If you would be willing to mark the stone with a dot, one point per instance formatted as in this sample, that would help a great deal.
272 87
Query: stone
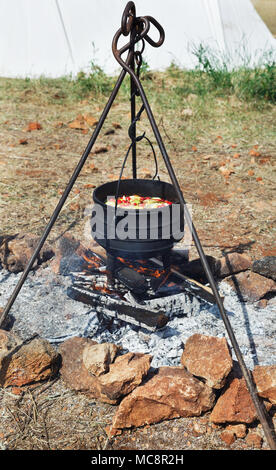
234 405
199 429
67 255
67 245
251 286
208 357
97 357
73 371
15 252
266 267
33 362
262 303
253 439
239 430
233 263
171 393
8 343
228 437
126 373
265 380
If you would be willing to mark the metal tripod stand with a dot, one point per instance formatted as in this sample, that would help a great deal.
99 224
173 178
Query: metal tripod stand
137 28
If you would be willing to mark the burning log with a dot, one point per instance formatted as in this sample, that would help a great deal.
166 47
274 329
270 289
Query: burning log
140 292
192 286
120 309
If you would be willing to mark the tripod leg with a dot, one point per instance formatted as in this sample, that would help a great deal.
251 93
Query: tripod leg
133 114
63 198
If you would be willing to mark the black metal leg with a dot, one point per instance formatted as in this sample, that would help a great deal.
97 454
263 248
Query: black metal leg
133 115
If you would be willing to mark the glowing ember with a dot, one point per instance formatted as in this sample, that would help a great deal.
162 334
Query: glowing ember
152 272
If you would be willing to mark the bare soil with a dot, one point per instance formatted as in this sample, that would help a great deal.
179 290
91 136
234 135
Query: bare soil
52 417
223 155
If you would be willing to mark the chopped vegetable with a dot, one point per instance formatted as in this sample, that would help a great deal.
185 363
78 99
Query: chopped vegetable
138 202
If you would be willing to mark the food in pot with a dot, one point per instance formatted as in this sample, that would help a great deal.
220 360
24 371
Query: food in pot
138 202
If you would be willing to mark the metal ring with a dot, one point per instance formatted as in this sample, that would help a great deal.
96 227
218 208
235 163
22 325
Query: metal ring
118 52
128 17
161 33
143 47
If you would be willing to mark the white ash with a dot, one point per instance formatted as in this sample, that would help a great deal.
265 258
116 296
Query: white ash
43 307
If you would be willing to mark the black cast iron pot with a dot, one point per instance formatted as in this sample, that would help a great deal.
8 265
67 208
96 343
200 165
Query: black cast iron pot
136 233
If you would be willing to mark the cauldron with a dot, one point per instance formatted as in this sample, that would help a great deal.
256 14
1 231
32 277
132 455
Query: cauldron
146 233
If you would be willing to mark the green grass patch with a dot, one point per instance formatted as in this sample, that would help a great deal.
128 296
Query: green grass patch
211 78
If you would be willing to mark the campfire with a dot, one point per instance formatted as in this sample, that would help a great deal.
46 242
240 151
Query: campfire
140 292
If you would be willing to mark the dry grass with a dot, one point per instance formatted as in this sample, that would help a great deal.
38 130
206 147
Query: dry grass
223 151
52 417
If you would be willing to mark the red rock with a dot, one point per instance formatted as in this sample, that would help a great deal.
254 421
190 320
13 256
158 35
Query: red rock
233 263
32 362
251 286
234 405
228 437
262 303
67 246
8 343
265 379
15 252
55 264
73 371
238 429
17 390
208 357
172 393
98 357
126 373
253 439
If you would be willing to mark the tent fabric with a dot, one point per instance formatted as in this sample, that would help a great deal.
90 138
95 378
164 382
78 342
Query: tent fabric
60 37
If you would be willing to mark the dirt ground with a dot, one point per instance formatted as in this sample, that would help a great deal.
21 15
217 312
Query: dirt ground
52 417
223 153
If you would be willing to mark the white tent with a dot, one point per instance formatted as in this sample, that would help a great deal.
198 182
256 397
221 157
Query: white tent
59 37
